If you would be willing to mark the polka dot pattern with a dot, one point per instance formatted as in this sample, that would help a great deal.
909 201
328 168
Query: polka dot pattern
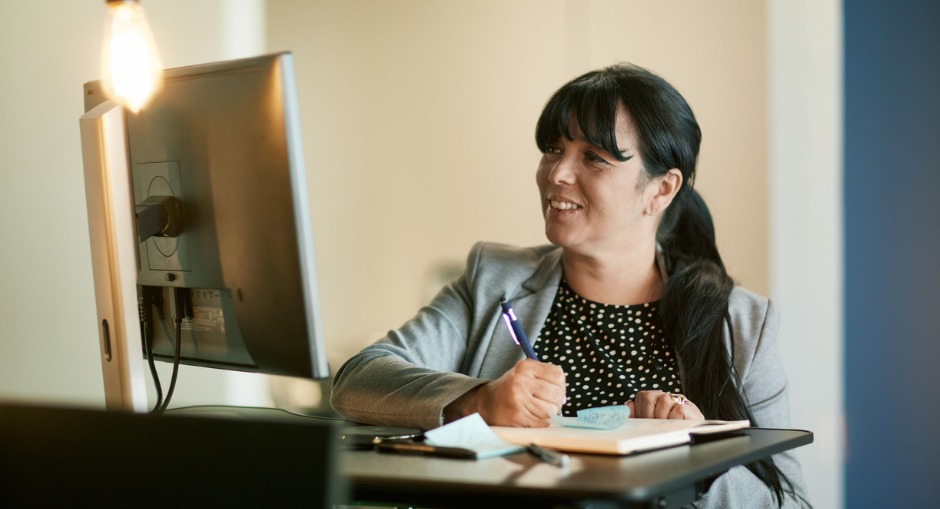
608 352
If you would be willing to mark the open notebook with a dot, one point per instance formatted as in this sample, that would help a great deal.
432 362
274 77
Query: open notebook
636 435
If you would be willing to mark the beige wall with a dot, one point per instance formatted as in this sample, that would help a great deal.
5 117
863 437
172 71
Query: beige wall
46 298
419 116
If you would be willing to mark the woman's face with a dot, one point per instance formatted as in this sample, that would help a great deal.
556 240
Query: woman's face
591 201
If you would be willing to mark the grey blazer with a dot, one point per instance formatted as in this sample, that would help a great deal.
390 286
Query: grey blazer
458 342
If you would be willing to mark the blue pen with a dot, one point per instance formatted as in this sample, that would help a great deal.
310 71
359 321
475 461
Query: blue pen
516 330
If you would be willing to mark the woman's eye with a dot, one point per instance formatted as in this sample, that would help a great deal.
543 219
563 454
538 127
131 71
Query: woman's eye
594 157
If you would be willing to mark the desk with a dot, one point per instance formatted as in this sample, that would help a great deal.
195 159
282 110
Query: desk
665 478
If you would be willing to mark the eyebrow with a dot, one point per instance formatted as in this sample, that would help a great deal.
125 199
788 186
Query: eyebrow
580 136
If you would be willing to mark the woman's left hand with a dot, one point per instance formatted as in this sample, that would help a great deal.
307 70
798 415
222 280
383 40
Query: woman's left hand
663 405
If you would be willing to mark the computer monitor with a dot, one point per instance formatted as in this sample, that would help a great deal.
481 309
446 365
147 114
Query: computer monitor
199 224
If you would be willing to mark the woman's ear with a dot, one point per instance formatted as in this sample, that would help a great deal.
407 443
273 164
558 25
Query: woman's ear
664 189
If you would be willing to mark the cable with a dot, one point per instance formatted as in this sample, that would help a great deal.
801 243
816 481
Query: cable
179 295
176 365
145 302
154 375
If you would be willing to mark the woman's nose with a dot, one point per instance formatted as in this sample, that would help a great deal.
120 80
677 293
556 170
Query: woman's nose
563 171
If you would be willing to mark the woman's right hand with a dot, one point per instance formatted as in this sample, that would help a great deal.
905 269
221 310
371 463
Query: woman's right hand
525 396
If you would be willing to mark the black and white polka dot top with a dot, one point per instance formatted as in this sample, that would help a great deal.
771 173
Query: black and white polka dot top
608 352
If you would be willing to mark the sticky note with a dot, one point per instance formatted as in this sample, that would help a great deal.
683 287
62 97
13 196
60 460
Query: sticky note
605 417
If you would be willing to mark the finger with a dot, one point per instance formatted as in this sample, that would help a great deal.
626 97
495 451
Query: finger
544 381
533 396
645 404
683 408
549 393
686 410
503 401
535 373
539 415
694 411
547 372
664 405
679 411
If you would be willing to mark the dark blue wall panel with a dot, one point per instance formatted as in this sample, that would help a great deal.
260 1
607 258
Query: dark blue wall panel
892 253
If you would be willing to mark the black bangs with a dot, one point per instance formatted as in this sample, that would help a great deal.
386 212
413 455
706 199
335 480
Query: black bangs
589 105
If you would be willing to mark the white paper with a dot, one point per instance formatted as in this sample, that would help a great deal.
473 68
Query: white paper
472 433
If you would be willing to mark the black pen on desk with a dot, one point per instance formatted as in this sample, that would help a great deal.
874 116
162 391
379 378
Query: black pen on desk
425 450
516 331
551 457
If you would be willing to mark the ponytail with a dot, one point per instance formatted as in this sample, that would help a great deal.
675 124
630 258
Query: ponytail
694 310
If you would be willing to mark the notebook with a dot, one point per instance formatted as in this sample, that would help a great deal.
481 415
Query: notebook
636 435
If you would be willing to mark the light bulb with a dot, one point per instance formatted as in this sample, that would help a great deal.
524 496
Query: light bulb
130 65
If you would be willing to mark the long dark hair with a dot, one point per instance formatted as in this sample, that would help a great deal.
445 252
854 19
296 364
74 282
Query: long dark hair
694 305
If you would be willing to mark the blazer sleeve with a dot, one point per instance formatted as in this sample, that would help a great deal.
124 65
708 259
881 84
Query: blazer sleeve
755 321
410 375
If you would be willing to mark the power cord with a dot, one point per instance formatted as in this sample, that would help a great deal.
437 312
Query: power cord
183 310
146 300
149 298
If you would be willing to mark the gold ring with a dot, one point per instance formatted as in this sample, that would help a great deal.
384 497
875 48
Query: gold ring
679 399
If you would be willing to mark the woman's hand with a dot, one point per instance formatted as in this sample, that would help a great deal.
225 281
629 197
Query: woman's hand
525 396
663 405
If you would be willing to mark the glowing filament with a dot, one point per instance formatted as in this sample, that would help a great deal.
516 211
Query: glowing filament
131 68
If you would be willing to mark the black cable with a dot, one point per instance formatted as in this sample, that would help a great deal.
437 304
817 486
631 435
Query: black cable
145 303
153 374
181 309
176 365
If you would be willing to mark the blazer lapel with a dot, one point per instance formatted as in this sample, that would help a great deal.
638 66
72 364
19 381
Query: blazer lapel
532 303
537 295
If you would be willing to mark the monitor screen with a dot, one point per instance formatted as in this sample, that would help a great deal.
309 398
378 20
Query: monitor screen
205 223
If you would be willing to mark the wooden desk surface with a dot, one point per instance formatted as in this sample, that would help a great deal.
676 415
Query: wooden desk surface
664 478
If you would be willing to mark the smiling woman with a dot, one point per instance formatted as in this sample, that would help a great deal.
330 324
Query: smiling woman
631 303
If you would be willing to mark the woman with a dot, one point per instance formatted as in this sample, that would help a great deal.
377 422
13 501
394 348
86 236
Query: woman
630 304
